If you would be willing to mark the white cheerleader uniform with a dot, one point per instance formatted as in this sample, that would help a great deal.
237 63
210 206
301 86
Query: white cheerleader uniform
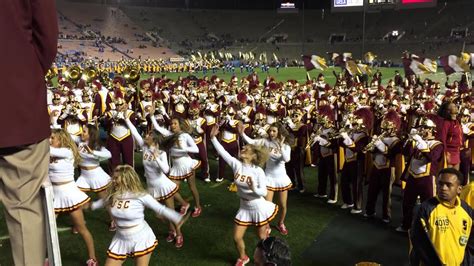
67 196
182 165
93 177
134 237
254 209
156 167
275 169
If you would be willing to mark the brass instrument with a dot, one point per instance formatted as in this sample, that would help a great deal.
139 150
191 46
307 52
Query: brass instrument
313 136
73 73
371 145
49 75
132 74
89 74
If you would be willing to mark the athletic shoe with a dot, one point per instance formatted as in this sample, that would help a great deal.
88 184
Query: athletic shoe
207 180
356 211
346 206
369 215
219 179
400 229
386 220
184 209
196 212
332 201
320 196
92 262
179 241
74 230
241 262
282 229
171 236
301 190
112 226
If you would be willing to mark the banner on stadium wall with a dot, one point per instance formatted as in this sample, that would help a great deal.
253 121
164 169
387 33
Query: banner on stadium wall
177 59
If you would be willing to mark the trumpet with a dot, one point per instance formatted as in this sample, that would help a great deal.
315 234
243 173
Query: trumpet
313 136
338 135
371 145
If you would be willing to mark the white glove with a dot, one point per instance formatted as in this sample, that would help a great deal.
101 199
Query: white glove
120 115
262 132
413 131
417 138
380 145
465 129
345 135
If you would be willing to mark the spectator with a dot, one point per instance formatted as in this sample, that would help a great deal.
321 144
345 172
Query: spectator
272 251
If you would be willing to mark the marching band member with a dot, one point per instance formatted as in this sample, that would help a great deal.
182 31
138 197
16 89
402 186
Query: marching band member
55 109
88 106
199 128
251 185
67 196
278 142
424 153
102 99
299 130
73 119
352 172
327 154
229 137
384 148
468 139
160 187
451 134
180 143
127 200
120 140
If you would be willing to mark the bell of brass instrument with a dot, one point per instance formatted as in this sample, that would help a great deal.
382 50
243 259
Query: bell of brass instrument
73 73
89 74
132 74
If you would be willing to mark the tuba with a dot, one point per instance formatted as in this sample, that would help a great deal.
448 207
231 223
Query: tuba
73 73
132 74
90 74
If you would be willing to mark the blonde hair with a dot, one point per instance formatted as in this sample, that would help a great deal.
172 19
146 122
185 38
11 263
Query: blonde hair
124 180
66 141
261 154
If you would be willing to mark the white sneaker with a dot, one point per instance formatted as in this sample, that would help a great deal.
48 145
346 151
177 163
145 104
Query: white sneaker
346 206
386 220
219 179
356 211
401 229
332 201
207 180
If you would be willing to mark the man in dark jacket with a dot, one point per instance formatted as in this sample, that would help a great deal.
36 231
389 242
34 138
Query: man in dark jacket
29 33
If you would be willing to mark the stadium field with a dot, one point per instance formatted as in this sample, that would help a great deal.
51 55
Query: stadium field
299 74
208 239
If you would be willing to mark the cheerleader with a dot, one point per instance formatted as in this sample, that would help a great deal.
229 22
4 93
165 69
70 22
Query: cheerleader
251 185
93 178
278 180
183 166
127 200
67 196
155 163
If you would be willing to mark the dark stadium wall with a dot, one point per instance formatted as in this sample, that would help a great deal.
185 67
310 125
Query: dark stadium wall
214 4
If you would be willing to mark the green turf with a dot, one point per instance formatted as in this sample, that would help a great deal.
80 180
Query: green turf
208 239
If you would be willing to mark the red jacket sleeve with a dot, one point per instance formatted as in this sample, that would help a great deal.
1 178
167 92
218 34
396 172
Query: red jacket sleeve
44 31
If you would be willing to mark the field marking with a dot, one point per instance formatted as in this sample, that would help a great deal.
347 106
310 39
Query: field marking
60 230
218 184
